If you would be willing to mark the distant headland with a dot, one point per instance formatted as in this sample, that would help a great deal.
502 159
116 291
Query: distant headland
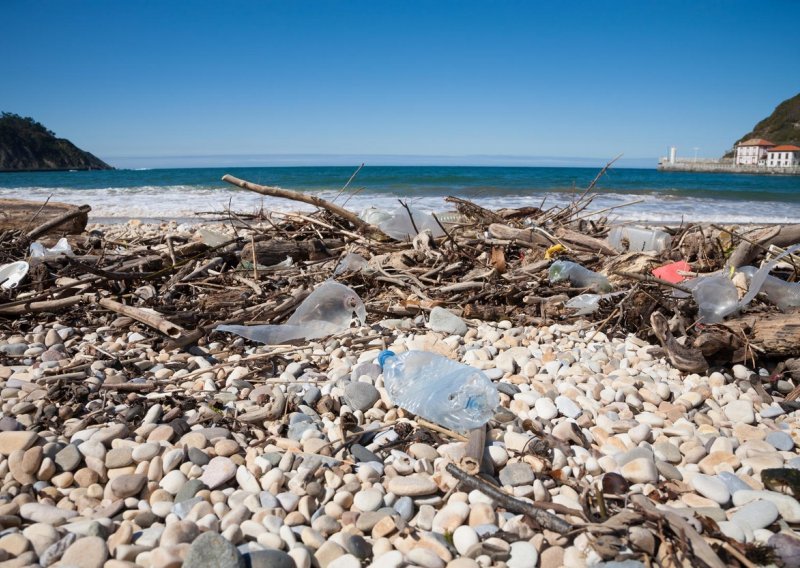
26 145
772 147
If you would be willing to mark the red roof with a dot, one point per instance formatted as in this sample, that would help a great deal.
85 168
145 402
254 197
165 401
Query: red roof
756 142
784 148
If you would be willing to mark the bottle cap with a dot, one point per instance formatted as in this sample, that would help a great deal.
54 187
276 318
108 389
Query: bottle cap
383 355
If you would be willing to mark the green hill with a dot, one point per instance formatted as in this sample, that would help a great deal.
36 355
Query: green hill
26 145
781 127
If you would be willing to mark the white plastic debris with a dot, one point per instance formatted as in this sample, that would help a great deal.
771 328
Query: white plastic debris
328 310
39 252
12 274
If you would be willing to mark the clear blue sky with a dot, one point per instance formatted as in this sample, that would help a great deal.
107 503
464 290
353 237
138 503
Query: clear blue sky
432 78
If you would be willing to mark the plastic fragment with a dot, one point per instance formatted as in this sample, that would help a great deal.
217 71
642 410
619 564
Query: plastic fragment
39 252
554 250
671 272
397 223
716 295
578 276
351 262
12 274
327 310
453 395
588 303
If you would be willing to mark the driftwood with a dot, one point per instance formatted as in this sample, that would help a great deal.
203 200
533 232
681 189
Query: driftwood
536 512
50 218
531 236
147 317
268 253
35 307
340 212
584 242
684 358
776 334
748 250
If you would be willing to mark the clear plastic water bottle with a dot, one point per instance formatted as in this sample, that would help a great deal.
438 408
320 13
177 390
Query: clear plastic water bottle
456 396
578 276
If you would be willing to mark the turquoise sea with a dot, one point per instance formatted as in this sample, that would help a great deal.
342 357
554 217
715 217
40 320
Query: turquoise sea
661 197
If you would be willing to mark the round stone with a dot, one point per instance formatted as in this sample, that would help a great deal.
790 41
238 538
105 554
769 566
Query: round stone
523 555
756 515
780 441
711 487
464 538
211 549
412 485
369 500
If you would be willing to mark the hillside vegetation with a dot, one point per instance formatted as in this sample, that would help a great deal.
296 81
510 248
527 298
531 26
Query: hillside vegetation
781 127
26 145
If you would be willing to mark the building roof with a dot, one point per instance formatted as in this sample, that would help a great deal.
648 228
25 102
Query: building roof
784 148
756 142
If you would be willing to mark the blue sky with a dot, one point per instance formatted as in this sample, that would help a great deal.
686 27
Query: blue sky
141 82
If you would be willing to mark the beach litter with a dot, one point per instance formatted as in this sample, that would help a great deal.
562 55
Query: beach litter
614 428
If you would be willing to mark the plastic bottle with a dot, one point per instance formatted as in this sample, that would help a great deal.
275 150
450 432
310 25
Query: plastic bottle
328 310
716 297
783 294
588 303
578 276
639 239
442 391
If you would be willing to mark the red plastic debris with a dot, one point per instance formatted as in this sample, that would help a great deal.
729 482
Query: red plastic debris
669 272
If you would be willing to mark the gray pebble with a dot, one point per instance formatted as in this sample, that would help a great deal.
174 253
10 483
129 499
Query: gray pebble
361 396
211 550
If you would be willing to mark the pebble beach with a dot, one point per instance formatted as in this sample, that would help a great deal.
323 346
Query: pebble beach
304 462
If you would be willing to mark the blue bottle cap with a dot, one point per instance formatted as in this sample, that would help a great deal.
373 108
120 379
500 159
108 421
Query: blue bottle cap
383 355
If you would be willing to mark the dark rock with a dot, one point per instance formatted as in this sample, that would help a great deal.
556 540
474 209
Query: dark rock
362 454
211 550
361 396
189 490
268 559
69 458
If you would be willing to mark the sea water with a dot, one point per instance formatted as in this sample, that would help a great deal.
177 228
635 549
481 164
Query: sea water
663 197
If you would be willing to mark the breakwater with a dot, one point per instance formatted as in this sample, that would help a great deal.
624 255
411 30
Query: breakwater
723 167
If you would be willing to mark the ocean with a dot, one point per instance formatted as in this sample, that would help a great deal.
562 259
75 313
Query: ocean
644 194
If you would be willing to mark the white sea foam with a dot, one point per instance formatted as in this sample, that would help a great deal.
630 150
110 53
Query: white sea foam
185 201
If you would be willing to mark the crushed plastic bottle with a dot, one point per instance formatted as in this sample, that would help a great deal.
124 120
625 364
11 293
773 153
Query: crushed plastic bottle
351 262
785 295
716 295
40 253
12 274
397 223
329 309
588 303
442 391
578 276
639 239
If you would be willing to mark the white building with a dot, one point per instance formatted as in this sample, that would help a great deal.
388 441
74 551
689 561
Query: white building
784 156
752 152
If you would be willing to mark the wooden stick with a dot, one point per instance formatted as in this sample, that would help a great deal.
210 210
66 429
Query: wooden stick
509 503
340 212
19 309
150 319
60 220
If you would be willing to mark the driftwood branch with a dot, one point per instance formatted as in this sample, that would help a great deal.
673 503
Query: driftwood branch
509 503
146 317
82 211
340 212
21 308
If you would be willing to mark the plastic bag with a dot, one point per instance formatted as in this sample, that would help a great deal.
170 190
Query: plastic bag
39 252
397 222
329 309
